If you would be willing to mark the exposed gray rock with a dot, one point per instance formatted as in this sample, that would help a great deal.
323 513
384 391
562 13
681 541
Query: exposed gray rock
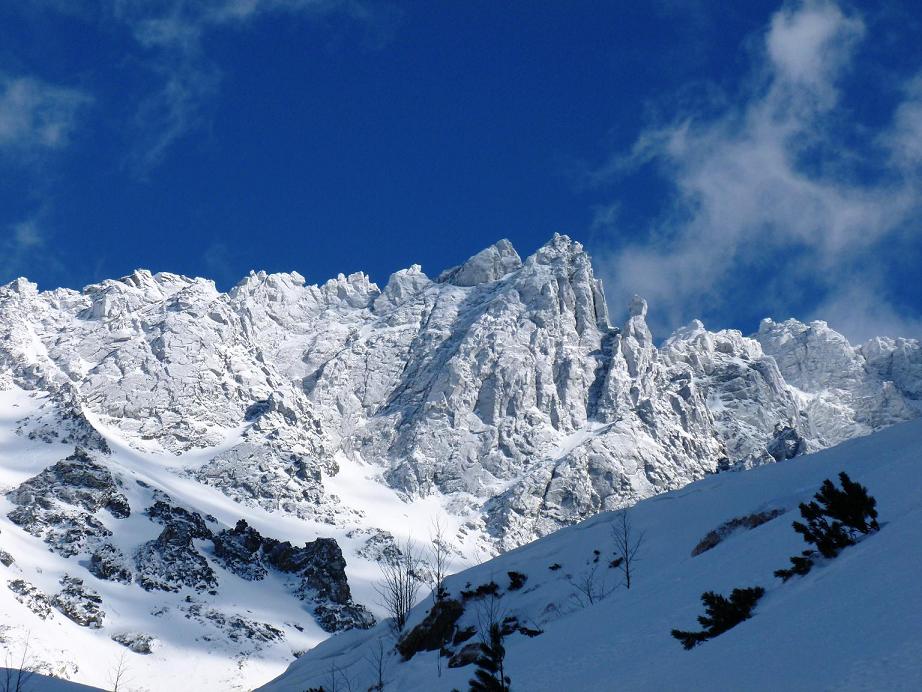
170 562
236 627
137 642
466 655
487 265
504 385
380 545
31 597
787 444
728 528
319 566
76 480
240 551
108 562
60 503
165 513
62 419
268 477
844 395
79 603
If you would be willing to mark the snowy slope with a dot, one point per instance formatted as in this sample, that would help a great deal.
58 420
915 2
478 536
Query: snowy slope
475 386
191 649
499 398
853 623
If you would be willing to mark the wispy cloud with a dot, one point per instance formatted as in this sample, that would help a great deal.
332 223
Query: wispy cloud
774 177
170 35
37 116
22 243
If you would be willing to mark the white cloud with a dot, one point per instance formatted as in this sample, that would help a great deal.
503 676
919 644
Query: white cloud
36 115
770 180
23 240
807 44
857 311
171 35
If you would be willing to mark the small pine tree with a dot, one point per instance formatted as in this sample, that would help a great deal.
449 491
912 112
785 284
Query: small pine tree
490 676
800 565
834 520
722 614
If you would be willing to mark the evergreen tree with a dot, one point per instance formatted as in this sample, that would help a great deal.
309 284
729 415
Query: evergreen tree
722 614
834 519
490 676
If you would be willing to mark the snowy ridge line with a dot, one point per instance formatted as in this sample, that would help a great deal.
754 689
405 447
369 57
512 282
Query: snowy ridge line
821 631
498 399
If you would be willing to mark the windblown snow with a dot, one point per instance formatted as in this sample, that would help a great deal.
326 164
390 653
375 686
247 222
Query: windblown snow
851 624
206 480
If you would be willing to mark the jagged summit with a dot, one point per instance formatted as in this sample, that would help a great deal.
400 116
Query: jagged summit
488 265
499 397
473 384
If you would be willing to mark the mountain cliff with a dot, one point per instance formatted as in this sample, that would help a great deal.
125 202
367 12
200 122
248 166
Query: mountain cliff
498 397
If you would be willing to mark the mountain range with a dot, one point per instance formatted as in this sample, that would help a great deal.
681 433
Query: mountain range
208 480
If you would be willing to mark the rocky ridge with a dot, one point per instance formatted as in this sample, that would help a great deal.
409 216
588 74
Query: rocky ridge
501 384
500 392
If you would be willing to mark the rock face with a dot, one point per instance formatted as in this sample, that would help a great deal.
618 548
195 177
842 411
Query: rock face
503 386
319 567
164 513
501 397
170 562
31 597
80 603
109 563
61 503
138 642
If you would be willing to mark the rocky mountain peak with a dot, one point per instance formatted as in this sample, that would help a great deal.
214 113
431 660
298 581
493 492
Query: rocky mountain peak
496 380
490 264
21 286
499 397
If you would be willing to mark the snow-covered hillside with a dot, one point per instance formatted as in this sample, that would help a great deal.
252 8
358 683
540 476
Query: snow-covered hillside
501 386
187 614
142 419
853 623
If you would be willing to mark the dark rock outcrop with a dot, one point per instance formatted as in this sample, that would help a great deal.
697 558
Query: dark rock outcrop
170 562
59 504
164 513
750 521
31 597
79 603
136 641
239 550
319 566
76 480
434 632
466 655
786 444
108 562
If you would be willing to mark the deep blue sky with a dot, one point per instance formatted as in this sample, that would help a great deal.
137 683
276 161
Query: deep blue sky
211 138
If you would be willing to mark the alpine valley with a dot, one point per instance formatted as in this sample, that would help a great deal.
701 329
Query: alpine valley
203 483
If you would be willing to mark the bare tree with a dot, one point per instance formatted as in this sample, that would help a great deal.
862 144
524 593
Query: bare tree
438 559
18 672
627 545
490 674
591 586
378 661
118 676
437 564
399 585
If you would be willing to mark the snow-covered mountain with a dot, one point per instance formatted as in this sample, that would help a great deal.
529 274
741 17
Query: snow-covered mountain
143 418
851 624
